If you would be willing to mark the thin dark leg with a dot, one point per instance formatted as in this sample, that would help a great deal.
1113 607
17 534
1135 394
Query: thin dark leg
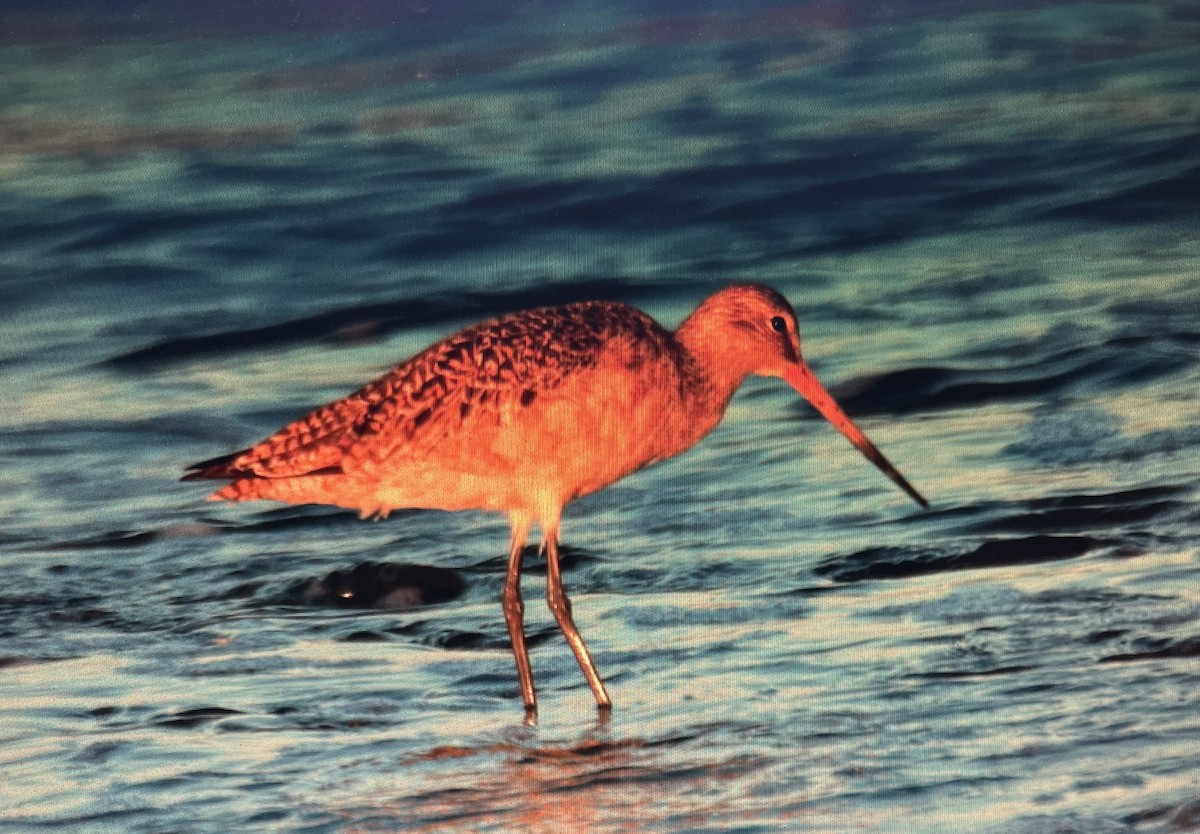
560 607
514 617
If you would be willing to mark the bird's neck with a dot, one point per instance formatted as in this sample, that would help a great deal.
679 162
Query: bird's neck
716 373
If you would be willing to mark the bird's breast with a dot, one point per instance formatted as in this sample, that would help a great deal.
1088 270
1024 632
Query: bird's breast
599 425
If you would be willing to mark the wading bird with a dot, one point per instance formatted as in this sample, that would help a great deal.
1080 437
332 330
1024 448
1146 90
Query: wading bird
524 413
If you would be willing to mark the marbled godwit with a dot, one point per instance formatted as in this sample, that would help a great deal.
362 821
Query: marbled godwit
526 412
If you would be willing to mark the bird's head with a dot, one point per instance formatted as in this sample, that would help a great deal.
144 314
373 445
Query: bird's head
751 329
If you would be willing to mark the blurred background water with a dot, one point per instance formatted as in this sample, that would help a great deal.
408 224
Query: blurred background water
214 216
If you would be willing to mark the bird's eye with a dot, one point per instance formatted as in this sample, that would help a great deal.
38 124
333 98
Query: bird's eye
779 324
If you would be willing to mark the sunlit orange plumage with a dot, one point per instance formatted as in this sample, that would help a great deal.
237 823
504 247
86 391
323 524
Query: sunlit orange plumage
523 414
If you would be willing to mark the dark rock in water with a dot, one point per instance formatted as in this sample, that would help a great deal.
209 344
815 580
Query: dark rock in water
379 585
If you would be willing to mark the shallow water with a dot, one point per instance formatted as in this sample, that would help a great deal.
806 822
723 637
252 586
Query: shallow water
213 220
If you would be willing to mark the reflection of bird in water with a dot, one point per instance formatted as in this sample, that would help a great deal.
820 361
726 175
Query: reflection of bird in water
525 413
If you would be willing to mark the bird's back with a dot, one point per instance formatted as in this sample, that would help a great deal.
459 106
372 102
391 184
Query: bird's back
474 408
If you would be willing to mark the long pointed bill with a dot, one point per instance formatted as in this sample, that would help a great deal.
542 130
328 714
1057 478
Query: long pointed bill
800 377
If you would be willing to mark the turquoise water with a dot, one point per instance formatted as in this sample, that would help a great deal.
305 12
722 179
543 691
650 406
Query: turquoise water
214 219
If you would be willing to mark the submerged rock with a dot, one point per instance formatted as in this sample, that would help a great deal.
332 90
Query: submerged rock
379 585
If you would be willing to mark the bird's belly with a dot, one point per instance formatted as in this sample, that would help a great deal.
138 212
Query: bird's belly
434 488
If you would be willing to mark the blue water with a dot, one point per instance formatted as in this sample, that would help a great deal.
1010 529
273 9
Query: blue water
216 216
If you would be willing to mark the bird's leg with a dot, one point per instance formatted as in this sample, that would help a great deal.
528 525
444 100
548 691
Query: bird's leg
514 616
560 607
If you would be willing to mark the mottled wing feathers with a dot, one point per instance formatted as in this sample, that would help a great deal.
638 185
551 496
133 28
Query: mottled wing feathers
313 443
467 380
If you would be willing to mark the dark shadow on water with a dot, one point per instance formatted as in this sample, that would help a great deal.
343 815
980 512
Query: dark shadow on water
966 674
190 719
1170 198
906 562
1091 512
1157 648
1001 534
1108 365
